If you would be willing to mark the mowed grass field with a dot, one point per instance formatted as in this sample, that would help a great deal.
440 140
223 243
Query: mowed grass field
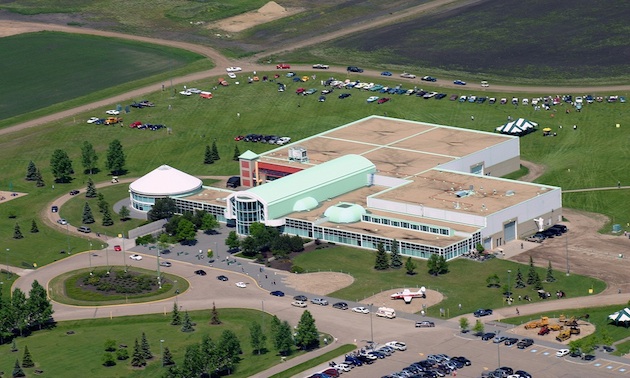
592 156
83 351
46 68
458 286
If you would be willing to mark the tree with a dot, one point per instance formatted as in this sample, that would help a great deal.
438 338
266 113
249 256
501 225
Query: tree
186 232
237 153
17 233
437 265
39 307
307 335
31 171
87 214
137 358
215 151
550 277
187 325
382 260
17 370
20 310
40 180
463 323
214 320
283 339
396 261
34 228
122 354
27 360
232 240
145 347
209 223
90 192
163 208
115 157
107 217
110 345
229 347
101 203
605 338
207 158
193 362
176 318
167 357
61 166
479 247
209 354
88 157
478 327
410 266
531 274
493 280
124 213
258 338
249 246
519 279
538 282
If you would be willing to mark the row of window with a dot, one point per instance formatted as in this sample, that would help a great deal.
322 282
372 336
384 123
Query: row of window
407 225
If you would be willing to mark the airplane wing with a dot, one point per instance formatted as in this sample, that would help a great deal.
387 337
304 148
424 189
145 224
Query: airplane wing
408 298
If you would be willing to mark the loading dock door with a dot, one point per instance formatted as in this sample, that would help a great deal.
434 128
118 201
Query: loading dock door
509 231
487 243
477 169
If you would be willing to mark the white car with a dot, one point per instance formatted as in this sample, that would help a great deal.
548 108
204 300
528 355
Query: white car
398 345
234 69
283 140
485 84
407 75
361 310
93 119
136 257
231 75
185 93
194 90
343 367
298 304
372 98
241 284
321 66
113 112
562 352
62 221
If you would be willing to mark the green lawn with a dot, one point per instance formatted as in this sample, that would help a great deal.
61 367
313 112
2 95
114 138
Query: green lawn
83 350
458 286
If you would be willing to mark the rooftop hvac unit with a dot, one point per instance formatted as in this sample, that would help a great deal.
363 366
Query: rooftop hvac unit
510 193
298 153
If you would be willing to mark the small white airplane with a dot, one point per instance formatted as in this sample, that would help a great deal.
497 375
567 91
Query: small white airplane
407 295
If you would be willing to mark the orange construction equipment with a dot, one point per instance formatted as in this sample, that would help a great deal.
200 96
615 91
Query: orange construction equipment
537 323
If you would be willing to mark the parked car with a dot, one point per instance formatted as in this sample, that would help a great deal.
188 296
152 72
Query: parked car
510 341
241 284
93 120
283 66
319 301
522 374
424 323
482 312
298 304
398 345
386 73
277 293
499 339
321 66
62 221
84 229
588 357
222 278
361 310
112 112
459 82
233 69
165 263
341 305
355 69
382 100
428 78
135 257
487 336
562 352
117 248
562 228
301 298
407 75
200 272
525 343
372 99
344 95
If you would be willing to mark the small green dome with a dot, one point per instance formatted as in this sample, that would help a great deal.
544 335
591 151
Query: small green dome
344 213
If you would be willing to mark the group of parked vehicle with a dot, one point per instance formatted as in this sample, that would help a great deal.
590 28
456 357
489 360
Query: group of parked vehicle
435 365
551 232
259 138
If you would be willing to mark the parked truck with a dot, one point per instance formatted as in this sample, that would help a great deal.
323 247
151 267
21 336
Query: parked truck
386 312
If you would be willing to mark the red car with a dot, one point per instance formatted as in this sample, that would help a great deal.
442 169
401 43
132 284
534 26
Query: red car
300 90
117 248
238 138
283 66
135 124
383 100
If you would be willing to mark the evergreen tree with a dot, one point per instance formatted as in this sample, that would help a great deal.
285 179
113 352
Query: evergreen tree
208 159
257 336
101 203
124 213
215 151
550 277
14 347
167 357
519 279
40 180
396 261
187 325
214 320
275 326
176 318
122 354
87 214
31 171
110 345
537 282
88 157
39 307
90 192
27 360
34 228
145 347
437 265
17 233
237 153
382 260
137 358
163 208
229 348
107 218
115 157
307 335
531 274
410 266
283 340
193 362
17 370
61 166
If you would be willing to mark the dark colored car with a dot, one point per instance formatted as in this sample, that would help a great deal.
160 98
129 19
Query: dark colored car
523 374
200 272
428 78
351 360
440 96
341 305
277 293
488 336
482 312
463 360
301 298
511 341
332 372
550 233
54 209
382 100
588 357
525 343
365 359
562 228
344 95
425 323
355 69
74 192
507 369
221 278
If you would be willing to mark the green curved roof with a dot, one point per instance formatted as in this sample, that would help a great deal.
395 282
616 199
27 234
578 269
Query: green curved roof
305 204
344 213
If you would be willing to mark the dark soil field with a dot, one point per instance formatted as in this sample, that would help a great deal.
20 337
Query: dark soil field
534 38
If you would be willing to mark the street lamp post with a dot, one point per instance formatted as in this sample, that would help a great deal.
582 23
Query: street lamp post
216 250
7 261
509 288
498 350
90 257
68 236
566 246
106 247
159 277
162 351
371 326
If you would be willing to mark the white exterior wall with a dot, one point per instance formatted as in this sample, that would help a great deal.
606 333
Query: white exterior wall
426 212
524 211
390 182
489 156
